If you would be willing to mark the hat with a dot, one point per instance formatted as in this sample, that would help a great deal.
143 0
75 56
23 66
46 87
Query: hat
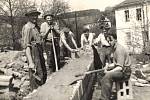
32 12
65 29
48 14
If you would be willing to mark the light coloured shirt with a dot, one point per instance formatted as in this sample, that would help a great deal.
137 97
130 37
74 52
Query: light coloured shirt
102 40
45 28
30 34
87 41
121 57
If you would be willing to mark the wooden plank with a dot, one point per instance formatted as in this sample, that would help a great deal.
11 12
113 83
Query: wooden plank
4 78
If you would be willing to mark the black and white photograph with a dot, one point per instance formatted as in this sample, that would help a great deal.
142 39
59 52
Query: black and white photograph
74 49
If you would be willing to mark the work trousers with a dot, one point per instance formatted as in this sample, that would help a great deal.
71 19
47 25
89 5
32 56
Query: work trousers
50 55
107 82
39 77
101 56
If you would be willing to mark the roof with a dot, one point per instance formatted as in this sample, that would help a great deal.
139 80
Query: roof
127 3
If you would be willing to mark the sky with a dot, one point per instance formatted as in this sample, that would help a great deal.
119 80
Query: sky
90 4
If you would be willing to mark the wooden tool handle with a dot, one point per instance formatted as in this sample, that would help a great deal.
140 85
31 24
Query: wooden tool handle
89 72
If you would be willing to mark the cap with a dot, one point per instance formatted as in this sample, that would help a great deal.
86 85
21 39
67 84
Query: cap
66 30
48 14
32 11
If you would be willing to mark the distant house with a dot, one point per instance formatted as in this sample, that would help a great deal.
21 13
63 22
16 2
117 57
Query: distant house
132 24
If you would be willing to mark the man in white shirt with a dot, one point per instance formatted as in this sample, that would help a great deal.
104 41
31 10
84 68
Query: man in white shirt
87 38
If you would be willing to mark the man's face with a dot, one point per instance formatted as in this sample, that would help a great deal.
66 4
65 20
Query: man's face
112 41
33 18
49 20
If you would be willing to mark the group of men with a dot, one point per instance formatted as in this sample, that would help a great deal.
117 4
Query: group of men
45 38
114 58
49 34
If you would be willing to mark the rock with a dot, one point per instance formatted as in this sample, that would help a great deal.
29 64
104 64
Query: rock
25 84
10 65
24 59
142 81
146 65
138 84
4 78
10 72
16 83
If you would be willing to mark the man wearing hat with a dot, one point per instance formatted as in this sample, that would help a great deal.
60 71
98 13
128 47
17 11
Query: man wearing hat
33 50
51 34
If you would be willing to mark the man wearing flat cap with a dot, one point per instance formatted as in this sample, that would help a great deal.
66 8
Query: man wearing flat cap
51 34
33 50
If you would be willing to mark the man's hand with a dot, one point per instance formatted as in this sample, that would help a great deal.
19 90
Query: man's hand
51 27
109 66
32 66
106 71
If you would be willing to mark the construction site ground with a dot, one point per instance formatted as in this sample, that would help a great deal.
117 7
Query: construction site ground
12 59
139 93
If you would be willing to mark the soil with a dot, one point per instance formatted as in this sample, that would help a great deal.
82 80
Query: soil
58 85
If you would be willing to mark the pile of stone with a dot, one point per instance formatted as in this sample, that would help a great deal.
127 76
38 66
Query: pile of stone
13 65
141 74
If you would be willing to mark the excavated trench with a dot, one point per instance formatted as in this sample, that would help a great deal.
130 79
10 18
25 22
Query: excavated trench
60 85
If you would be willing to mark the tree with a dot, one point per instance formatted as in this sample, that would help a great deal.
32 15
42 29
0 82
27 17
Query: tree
55 6
13 8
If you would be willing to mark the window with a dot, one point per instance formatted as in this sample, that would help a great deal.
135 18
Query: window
138 14
128 38
145 36
126 15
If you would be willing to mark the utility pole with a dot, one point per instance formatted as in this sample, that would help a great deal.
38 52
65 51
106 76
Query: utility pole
77 37
145 33
147 20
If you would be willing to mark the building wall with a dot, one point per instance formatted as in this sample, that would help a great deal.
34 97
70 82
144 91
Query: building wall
133 27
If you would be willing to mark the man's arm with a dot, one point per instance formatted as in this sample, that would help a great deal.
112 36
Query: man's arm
73 40
82 38
92 35
120 59
27 45
63 39
116 69
55 27
30 60
43 29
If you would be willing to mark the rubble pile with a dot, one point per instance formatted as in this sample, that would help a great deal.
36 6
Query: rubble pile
14 63
138 77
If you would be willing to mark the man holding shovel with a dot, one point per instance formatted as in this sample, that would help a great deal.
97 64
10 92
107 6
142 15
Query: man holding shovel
51 36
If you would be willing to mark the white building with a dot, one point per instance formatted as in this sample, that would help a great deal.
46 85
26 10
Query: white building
133 23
